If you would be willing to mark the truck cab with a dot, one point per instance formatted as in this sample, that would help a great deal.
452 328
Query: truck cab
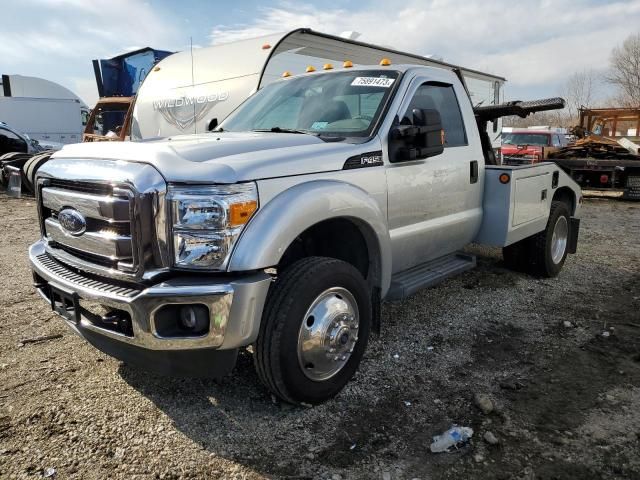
285 227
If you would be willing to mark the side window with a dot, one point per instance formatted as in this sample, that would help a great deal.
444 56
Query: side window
285 115
555 141
10 142
441 97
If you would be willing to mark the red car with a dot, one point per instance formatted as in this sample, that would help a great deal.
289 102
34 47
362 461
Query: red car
522 147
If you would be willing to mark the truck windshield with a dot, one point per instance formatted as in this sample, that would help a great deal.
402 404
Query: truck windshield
538 139
342 104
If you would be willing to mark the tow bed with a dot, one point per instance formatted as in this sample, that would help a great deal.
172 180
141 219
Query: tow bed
517 200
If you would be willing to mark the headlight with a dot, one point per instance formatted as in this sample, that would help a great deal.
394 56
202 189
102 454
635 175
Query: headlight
207 221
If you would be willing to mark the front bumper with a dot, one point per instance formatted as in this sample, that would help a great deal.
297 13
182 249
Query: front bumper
234 305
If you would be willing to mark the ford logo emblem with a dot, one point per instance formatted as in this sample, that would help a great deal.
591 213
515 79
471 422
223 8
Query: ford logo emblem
72 221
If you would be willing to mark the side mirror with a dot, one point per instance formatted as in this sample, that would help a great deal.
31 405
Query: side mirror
213 123
423 139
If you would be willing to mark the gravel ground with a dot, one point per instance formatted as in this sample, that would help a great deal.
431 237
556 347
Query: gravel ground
565 398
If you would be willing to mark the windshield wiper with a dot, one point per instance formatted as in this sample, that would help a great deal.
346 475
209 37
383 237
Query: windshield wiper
282 130
320 135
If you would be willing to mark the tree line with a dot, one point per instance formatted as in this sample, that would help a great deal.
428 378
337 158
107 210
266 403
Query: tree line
582 89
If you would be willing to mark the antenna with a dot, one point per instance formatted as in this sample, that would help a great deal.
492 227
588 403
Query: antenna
193 82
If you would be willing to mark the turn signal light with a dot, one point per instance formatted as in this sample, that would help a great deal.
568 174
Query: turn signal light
310 69
504 178
240 213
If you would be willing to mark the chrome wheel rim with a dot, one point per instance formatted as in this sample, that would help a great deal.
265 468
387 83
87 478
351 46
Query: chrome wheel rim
559 239
328 334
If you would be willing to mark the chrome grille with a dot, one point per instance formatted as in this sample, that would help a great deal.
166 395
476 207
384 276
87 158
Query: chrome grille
116 226
108 237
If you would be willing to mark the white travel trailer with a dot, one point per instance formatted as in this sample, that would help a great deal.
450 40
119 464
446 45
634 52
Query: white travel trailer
44 110
186 90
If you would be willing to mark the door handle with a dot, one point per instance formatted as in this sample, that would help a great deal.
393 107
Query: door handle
473 171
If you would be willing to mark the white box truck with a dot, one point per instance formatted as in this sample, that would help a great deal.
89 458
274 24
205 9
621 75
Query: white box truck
41 109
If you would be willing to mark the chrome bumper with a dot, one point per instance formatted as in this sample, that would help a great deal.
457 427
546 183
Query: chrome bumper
235 304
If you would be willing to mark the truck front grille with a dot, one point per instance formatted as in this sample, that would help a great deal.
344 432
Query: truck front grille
107 211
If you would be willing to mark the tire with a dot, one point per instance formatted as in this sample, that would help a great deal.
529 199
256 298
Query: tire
288 322
632 190
543 261
30 168
536 255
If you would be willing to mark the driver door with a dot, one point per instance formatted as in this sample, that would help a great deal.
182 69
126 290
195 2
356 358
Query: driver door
434 204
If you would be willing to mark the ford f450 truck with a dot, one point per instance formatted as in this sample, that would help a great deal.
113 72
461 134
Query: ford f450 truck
284 228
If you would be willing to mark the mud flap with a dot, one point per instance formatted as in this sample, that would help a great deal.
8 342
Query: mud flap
574 230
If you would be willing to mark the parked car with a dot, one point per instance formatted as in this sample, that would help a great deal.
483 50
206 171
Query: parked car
522 147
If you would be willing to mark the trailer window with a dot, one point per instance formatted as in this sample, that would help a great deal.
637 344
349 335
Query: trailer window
442 98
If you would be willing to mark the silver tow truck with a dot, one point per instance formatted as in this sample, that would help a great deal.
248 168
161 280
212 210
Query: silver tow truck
285 227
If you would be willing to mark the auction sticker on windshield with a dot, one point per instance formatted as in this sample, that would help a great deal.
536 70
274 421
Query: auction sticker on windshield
372 82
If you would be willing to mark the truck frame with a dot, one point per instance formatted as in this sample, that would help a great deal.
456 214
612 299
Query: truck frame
285 228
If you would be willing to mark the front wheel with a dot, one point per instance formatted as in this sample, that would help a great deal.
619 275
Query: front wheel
314 330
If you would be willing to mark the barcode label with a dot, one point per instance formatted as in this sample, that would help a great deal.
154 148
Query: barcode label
372 82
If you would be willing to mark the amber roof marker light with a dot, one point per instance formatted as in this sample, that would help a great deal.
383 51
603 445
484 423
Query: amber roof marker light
347 64
385 62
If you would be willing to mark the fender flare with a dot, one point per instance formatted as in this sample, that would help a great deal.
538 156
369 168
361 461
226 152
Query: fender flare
276 225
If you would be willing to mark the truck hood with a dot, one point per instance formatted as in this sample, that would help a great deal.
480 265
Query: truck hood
226 157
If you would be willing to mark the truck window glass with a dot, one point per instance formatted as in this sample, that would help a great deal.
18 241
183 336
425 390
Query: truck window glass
538 139
346 104
284 115
10 142
442 98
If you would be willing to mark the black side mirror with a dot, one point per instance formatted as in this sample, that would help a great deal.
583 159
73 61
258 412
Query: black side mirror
213 123
423 139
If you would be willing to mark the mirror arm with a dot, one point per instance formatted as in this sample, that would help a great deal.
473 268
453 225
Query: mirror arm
412 131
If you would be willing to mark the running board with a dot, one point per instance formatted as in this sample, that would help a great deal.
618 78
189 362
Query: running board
428 274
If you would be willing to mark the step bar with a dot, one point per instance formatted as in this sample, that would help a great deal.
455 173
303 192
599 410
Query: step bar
408 282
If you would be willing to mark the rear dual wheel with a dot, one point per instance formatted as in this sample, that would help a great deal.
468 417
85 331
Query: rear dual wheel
314 330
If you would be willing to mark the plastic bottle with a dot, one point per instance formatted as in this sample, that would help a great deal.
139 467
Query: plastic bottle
450 439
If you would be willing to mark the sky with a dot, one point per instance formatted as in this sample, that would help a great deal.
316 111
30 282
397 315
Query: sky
535 45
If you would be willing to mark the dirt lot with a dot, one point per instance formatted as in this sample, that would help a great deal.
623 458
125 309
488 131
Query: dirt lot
566 397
